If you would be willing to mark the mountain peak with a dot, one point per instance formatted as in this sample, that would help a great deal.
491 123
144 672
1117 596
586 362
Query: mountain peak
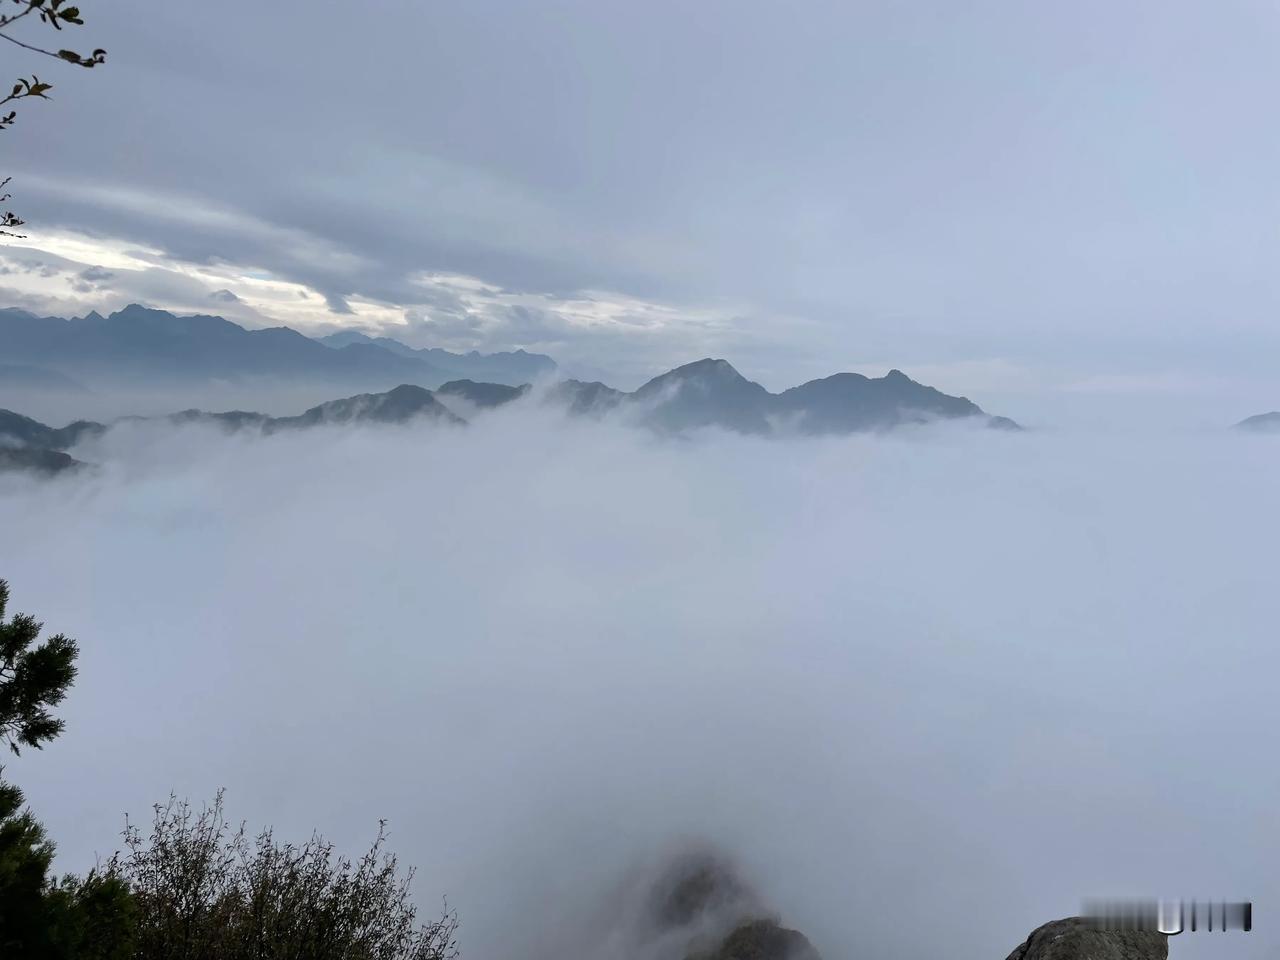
707 365
408 391
483 395
707 392
846 402
706 371
397 405
135 311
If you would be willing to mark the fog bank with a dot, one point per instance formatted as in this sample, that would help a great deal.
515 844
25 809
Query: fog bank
929 690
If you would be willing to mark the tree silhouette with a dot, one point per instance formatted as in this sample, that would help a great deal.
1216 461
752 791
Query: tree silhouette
34 677
55 14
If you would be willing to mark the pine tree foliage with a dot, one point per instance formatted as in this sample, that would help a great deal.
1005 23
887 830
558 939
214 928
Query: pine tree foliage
25 856
75 919
34 678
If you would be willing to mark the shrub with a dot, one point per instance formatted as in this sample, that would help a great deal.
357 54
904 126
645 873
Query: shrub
205 891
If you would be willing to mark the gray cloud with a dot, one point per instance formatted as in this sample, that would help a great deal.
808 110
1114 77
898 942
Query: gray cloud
96 275
92 280
337 304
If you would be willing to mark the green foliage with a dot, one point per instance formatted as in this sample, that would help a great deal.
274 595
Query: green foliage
89 919
94 918
32 678
25 856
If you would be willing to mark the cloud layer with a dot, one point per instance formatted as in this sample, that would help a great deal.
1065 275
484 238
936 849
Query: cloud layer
929 690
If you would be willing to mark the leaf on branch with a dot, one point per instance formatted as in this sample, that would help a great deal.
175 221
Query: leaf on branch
95 58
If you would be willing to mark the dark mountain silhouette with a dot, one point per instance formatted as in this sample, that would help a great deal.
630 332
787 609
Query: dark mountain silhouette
19 431
140 346
705 393
850 402
713 393
154 346
513 369
482 395
406 402
37 460
1261 423
230 419
29 444
585 399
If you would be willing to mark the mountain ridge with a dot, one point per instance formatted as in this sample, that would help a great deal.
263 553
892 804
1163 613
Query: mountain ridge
510 368
707 393
711 392
138 343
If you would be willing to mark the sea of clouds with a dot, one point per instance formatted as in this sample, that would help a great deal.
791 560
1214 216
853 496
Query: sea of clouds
929 690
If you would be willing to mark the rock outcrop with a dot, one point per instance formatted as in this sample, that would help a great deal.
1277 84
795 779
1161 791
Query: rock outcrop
700 906
1075 938
761 940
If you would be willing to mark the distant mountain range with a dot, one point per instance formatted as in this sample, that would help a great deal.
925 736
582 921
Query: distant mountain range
512 368
138 345
706 393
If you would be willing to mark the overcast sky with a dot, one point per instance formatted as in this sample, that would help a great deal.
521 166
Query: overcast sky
1004 198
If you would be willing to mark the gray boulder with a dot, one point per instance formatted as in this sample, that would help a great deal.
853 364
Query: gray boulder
1075 938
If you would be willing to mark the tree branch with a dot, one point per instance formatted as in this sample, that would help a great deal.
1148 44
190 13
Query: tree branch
47 53
6 21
